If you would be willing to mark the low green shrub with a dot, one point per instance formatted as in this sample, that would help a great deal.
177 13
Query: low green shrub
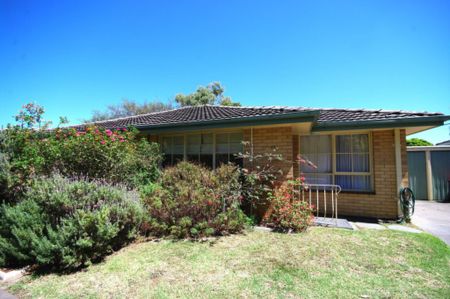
192 202
288 211
66 224
5 176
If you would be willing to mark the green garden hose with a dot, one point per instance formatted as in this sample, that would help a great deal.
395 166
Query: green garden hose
407 203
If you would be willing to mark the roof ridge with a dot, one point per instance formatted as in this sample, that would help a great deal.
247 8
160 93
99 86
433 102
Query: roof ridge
325 109
377 110
255 107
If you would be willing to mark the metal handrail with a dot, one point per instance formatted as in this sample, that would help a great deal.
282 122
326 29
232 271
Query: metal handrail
317 189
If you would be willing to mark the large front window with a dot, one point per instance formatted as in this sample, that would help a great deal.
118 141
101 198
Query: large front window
340 159
173 148
228 145
200 149
208 149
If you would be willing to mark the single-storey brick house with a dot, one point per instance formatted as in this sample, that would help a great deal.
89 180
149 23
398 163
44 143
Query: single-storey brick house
363 151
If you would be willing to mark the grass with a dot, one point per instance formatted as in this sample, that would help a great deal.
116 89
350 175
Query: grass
321 263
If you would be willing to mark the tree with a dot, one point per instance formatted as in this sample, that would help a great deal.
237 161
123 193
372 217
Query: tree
209 95
31 115
129 108
417 142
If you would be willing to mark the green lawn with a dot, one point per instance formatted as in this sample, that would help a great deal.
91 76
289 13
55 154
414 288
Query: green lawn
321 263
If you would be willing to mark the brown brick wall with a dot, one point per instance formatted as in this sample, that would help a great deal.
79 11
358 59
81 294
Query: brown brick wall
383 203
405 176
295 152
266 139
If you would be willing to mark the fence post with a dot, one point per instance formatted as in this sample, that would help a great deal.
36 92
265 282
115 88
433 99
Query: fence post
429 174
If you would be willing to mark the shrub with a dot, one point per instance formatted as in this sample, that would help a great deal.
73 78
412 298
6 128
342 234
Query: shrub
417 142
192 201
289 211
258 180
65 224
116 156
5 175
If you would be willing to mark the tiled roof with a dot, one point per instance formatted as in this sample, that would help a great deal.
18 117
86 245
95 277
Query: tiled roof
447 142
207 113
349 115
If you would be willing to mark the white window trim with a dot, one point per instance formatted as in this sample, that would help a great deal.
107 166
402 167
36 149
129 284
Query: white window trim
334 172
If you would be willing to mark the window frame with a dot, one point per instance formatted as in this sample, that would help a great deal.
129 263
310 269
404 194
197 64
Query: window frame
214 144
172 137
331 154
334 172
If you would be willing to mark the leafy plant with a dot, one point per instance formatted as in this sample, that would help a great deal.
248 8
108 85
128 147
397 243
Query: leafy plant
117 156
259 178
288 211
65 224
191 202
418 142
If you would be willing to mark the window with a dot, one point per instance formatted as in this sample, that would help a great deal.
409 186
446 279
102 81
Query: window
203 148
348 166
199 149
173 149
352 162
228 145
317 149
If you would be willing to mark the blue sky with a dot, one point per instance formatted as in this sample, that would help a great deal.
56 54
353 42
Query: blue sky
76 56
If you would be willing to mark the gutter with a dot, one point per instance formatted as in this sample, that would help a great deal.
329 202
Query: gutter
295 117
380 124
428 148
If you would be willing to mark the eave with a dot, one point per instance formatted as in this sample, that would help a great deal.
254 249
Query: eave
430 121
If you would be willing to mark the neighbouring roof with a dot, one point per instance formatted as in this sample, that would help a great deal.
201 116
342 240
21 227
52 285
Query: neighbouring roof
223 116
447 142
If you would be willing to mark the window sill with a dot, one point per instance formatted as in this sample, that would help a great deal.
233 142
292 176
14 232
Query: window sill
359 192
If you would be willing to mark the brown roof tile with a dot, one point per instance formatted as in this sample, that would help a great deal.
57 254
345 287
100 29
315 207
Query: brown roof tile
207 113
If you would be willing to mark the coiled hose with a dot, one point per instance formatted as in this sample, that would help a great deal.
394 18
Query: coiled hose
407 203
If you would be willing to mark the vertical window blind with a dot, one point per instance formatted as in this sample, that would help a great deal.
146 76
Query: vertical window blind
203 148
348 166
173 149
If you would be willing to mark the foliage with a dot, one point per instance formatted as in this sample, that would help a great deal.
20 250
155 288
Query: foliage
192 201
129 108
209 95
117 156
5 175
65 224
30 115
259 179
212 94
417 142
289 211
